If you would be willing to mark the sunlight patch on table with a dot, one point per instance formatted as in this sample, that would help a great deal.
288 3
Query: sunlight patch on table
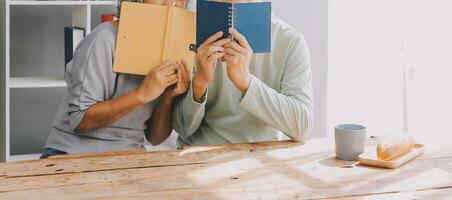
271 186
321 174
197 150
225 171
311 147
420 179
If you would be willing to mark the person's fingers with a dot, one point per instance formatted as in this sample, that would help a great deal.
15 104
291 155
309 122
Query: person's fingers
228 58
171 82
182 72
232 52
240 38
165 64
184 63
221 42
169 70
212 59
211 39
236 47
178 84
182 83
215 56
187 70
213 49
171 78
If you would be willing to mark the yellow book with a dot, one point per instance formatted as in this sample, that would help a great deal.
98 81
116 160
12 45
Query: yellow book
150 34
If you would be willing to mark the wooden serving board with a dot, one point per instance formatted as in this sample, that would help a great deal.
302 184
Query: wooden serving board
370 158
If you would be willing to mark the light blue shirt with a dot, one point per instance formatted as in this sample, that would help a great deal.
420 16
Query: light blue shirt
278 103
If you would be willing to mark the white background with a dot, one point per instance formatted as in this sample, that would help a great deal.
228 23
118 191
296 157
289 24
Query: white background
366 64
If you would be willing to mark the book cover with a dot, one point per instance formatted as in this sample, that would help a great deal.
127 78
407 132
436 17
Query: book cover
253 20
149 34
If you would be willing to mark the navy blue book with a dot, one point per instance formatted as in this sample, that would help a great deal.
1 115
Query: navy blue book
253 20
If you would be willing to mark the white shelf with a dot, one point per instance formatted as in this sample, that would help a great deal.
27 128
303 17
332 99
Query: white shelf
44 3
24 157
102 2
82 14
57 3
36 82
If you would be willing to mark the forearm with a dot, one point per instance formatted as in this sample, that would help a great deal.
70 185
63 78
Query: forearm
107 112
291 114
188 114
290 109
160 126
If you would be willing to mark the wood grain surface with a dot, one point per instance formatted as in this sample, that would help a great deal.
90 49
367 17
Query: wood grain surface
268 170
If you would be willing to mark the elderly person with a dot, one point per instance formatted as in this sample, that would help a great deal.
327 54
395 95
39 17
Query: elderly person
106 111
237 96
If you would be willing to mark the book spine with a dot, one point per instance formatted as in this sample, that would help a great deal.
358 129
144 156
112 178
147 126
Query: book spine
166 42
231 19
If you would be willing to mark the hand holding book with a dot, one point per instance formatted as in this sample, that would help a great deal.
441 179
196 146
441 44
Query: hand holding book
183 80
149 34
245 27
208 55
156 81
236 54
238 58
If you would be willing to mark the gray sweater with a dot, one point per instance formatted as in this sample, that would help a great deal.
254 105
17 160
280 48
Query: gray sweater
90 80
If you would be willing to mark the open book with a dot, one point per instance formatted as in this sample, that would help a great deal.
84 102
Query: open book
150 34
253 20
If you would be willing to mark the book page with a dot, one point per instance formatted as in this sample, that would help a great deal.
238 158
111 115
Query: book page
140 38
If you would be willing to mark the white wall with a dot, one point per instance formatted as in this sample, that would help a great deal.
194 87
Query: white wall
365 72
310 17
366 67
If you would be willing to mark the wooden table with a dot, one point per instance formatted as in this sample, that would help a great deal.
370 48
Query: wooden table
272 170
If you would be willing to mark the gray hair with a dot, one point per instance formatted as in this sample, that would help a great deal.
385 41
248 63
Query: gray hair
118 5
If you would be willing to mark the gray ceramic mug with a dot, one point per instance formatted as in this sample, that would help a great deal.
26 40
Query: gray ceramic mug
350 141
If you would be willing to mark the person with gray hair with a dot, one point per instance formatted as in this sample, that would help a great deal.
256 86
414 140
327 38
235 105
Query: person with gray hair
107 111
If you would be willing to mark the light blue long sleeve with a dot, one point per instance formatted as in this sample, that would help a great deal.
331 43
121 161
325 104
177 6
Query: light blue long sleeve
278 102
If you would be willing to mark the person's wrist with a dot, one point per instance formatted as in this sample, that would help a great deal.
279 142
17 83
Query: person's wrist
244 83
167 98
199 86
139 97
200 81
